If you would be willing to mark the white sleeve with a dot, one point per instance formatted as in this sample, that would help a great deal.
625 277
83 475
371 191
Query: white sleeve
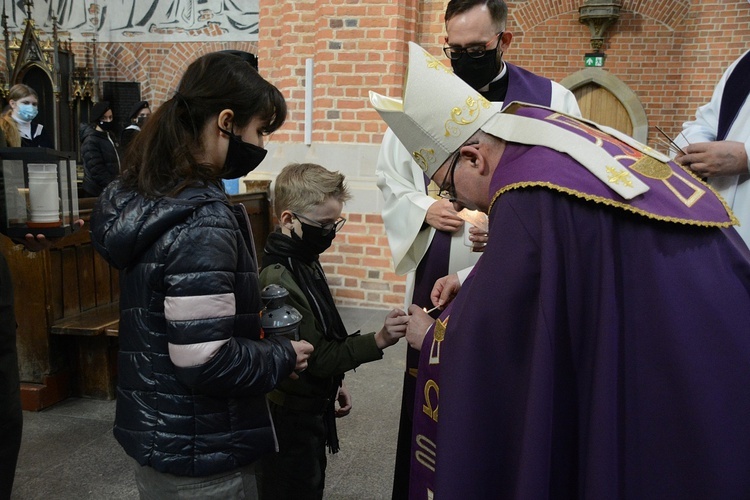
463 273
402 184
563 100
706 124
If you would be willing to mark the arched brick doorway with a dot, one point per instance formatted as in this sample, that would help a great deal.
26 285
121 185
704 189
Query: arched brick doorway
606 99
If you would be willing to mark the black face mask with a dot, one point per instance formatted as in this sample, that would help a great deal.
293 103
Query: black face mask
242 157
313 240
477 72
107 126
141 121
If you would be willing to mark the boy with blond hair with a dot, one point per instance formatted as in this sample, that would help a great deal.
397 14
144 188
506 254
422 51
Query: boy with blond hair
308 200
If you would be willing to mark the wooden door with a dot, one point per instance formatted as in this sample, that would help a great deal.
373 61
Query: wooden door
600 105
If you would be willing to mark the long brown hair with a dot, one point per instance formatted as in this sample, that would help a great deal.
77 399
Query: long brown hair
162 159
7 123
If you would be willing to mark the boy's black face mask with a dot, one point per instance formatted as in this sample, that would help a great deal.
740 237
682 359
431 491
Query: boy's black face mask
313 240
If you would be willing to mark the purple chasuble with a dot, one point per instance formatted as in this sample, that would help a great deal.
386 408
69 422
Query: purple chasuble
598 352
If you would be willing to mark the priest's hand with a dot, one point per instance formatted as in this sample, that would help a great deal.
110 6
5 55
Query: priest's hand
445 290
715 159
442 216
419 323
393 329
344 399
478 238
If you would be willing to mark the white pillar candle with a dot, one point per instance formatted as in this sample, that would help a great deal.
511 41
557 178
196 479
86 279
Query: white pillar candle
43 193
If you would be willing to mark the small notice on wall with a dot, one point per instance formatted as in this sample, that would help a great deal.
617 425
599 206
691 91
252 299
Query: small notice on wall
594 60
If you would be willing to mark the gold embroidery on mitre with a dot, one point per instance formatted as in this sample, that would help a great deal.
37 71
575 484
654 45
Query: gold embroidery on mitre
461 116
617 176
433 63
440 327
424 157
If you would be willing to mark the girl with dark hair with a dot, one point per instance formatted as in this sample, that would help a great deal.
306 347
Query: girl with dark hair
193 367
101 162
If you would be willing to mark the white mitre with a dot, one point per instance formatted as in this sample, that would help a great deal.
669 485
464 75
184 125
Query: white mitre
439 111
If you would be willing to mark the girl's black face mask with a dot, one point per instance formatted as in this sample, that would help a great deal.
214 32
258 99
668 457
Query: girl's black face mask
107 126
242 157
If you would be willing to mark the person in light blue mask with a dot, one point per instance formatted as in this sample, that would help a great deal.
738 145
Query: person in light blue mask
19 122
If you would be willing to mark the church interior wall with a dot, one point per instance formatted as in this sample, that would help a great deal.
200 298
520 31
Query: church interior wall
670 53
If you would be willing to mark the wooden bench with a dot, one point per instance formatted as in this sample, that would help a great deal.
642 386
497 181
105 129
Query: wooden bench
67 305
66 297
94 349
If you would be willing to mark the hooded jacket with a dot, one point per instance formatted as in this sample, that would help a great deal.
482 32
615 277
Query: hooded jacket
192 369
101 163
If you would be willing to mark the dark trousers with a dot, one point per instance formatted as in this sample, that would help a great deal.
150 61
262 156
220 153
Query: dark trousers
11 418
298 470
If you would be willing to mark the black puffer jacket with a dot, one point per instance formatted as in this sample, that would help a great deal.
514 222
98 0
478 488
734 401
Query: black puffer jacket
192 370
101 163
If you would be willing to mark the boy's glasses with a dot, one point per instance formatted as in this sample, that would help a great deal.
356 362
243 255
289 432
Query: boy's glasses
327 228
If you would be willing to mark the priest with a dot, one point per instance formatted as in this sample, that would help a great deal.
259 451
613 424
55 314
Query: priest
591 353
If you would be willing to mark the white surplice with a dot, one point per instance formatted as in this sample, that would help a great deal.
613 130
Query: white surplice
735 189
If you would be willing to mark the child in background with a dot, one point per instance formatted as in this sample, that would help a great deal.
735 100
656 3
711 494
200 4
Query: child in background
308 200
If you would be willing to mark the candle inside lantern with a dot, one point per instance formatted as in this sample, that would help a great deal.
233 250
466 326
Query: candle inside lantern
43 196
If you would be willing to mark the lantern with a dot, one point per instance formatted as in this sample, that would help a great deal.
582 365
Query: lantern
38 192
279 318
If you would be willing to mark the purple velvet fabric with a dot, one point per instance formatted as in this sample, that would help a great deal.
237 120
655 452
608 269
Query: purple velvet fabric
595 353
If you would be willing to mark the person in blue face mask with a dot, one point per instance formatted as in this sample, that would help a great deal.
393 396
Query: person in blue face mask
19 123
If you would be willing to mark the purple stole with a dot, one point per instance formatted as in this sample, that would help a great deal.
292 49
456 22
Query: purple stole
523 86
735 94
426 405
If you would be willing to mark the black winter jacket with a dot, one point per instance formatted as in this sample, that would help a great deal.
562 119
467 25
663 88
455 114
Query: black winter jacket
101 163
192 369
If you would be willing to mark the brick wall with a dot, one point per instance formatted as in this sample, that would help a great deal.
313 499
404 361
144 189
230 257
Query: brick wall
359 265
670 53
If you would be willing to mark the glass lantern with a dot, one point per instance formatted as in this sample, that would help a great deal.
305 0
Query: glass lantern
278 317
38 192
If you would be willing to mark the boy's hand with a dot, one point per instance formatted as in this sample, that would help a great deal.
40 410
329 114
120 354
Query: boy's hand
393 329
344 399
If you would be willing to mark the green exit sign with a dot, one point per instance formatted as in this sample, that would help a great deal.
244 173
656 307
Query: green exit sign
595 60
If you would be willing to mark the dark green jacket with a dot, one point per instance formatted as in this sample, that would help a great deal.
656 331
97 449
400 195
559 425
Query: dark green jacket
330 358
